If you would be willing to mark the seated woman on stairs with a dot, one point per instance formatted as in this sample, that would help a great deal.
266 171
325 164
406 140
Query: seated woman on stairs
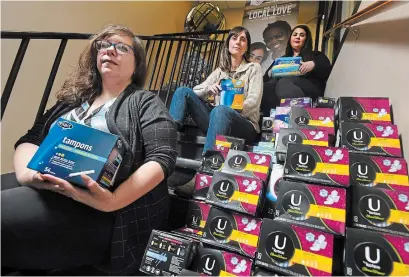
49 224
223 119
314 70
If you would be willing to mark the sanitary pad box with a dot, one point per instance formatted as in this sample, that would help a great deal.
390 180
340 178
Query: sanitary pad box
166 254
314 206
299 136
267 124
324 102
286 66
295 250
313 118
378 172
281 119
369 253
202 184
225 143
247 164
232 94
234 192
364 109
213 262
272 191
268 136
71 149
296 102
262 272
196 219
317 164
381 210
232 231
371 139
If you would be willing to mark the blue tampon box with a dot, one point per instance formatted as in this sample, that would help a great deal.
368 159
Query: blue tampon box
71 149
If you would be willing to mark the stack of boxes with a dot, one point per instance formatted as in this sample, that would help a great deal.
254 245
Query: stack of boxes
298 205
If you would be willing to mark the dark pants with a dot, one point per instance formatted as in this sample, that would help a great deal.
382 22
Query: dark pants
288 87
45 230
220 120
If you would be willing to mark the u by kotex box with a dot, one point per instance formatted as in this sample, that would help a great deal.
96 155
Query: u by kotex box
196 219
212 161
225 143
71 149
232 231
314 206
364 109
317 164
313 118
202 184
296 250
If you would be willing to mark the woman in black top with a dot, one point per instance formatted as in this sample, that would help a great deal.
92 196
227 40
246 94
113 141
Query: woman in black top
315 71
46 222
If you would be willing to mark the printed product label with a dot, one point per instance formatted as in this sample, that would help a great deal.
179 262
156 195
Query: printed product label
373 260
232 93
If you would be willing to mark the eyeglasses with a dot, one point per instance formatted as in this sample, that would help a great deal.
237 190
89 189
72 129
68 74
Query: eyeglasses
277 37
120 48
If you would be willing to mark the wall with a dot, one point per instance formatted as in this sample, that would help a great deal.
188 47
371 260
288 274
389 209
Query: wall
144 18
376 63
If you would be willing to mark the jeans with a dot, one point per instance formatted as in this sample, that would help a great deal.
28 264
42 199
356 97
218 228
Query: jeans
221 120
44 230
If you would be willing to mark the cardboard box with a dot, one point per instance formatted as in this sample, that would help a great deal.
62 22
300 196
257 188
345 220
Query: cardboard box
380 210
286 66
232 94
234 192
212 161
296 102
247 164
317 164
369 253
273 189
371 139
266 148
378 172
225 143
364 109
325 102
313 118
267 124
166 254
299 136
295 250
71 149
213 262
196 218
232 231
281 119
319 207
202 185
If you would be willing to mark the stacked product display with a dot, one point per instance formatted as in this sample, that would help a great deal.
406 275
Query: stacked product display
325 192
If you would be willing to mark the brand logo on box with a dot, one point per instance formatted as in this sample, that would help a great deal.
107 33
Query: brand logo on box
363 173
221 229
358 138
237 162
292 138
296 204
372 260
303 163
375 210
65 125
223 190
209 265
280 248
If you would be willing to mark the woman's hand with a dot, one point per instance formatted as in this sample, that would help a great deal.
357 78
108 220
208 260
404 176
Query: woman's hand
306 67
215 88
96 196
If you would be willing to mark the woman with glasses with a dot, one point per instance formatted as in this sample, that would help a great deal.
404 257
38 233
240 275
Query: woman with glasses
47 223
275 37
314 72
220 119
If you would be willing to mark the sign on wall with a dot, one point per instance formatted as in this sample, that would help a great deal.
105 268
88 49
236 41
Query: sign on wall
269 24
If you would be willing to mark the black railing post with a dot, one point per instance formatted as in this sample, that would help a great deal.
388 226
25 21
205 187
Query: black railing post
166 65
51 78
172 73
13 74
154 67
160 65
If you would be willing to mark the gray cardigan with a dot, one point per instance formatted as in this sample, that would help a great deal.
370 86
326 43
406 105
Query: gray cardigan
149 134
252 76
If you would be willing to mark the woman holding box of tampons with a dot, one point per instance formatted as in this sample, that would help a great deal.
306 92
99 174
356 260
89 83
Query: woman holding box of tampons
223 119
47 223
312 76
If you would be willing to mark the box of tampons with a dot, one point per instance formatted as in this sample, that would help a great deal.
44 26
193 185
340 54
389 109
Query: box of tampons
71 149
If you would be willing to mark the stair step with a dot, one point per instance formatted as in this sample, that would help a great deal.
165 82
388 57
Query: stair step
188 163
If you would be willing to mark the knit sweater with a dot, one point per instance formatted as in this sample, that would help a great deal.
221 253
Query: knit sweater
252 76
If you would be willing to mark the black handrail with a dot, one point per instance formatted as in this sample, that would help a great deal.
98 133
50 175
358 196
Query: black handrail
159 72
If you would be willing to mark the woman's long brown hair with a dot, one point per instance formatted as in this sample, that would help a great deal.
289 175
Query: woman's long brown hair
85 82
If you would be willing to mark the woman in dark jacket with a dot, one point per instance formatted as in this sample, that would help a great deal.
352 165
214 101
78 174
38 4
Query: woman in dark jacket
46 222
315 70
